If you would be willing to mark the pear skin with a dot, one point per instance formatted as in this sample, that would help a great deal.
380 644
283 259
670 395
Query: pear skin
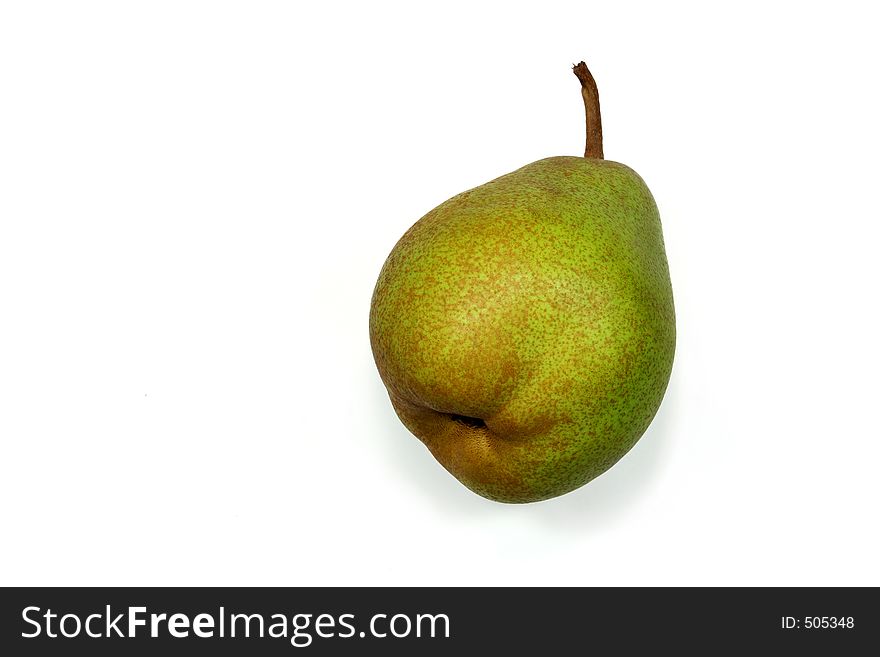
525 329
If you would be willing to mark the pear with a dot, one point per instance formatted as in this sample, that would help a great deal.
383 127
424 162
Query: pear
525 329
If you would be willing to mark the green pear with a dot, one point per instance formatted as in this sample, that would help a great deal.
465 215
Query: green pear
525 329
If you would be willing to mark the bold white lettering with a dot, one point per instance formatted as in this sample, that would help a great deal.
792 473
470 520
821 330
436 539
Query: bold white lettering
134 621
178 625
203 626
155 619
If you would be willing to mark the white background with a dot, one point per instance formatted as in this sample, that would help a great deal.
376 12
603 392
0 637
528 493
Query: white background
196 199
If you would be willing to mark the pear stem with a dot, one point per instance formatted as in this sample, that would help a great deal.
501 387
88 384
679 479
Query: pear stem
591 105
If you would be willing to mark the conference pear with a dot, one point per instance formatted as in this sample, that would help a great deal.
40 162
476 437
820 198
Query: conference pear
525 329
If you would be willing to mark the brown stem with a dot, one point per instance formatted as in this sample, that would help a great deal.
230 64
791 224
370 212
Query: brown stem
591 105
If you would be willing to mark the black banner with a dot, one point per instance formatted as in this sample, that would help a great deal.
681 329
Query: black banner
435 621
